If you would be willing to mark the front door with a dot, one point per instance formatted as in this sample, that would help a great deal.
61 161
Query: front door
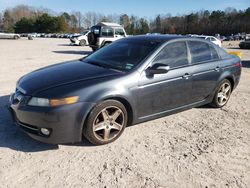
160 93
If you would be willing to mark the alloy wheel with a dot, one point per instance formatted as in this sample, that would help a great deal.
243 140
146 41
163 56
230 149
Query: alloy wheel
224 94
108 123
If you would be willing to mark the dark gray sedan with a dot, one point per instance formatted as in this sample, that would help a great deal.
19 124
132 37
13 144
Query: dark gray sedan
130 81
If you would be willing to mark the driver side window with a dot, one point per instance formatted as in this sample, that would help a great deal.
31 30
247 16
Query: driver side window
174 55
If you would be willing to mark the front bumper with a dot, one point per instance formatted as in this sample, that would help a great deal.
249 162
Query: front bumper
64 122
74 41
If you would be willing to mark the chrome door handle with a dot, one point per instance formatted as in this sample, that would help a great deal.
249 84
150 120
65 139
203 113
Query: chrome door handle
217 69
186 76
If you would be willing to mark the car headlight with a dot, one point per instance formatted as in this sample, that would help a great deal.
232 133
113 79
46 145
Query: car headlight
34 101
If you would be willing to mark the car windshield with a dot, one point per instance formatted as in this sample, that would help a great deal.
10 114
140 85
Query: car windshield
200 37
84 32
122 55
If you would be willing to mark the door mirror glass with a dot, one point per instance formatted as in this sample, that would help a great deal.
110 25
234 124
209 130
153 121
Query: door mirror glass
158 68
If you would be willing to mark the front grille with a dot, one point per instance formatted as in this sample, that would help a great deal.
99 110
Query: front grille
29 128
18 96
32 129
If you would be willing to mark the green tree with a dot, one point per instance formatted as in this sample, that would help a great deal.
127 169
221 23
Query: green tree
50 24
24 25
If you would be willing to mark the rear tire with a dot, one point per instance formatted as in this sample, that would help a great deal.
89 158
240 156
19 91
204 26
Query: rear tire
222 94
106 122
94 49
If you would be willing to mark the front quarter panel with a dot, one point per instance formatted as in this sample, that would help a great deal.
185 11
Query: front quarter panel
96 90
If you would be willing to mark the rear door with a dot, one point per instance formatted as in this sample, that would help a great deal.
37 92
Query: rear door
206 69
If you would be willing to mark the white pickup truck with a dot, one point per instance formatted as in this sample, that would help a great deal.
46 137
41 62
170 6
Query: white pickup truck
9 36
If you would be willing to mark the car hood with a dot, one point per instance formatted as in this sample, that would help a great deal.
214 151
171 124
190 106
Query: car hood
61 74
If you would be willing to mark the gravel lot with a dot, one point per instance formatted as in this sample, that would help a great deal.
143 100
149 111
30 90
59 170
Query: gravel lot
201 147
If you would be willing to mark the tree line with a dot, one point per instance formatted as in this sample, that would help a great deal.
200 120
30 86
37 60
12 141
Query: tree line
25 19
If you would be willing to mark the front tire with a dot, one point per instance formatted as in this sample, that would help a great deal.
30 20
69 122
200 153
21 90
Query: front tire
222 94
82 42
106 122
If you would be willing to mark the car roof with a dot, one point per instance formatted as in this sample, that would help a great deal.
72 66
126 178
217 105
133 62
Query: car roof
156 38
109 24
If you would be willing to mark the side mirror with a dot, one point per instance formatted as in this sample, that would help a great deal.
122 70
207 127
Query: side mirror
158 68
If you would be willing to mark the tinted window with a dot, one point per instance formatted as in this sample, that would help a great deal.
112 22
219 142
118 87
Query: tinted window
122 55
174 55
96 30
214 54
119 31
213 39
202 52
107 32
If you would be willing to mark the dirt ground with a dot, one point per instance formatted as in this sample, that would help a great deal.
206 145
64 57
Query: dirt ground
201 147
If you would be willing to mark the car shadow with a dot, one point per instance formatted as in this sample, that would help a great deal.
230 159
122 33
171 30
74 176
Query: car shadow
234 48
206 106
11 136
64 45
76 52
246 64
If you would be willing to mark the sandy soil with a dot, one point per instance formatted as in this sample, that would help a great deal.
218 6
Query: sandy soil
201 147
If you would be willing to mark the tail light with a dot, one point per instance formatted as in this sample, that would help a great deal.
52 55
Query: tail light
238 64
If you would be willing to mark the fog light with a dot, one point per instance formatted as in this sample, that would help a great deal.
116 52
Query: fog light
45 131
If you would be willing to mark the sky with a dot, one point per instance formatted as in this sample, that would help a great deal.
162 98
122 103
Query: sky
142 8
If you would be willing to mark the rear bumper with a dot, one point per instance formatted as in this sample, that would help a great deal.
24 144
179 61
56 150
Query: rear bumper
64 122
237 75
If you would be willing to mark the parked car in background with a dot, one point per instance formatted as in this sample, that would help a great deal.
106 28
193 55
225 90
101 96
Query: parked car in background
229 38
80 39
221 38
130 81
237 37
209 38
4 35
245 44
105 33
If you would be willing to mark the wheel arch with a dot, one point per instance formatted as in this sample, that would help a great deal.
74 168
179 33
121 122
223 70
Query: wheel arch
122 100
229 76
231 80
126 104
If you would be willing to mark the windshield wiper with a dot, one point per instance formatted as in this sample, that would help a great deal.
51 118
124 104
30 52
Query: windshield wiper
106 66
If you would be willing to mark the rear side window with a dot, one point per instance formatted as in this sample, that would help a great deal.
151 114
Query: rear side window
202 52
174 55
213 39
119 31
107 32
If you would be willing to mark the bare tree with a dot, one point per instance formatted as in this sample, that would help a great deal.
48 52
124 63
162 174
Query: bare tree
79 17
